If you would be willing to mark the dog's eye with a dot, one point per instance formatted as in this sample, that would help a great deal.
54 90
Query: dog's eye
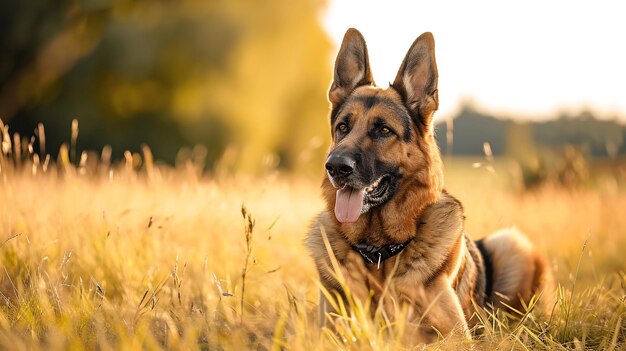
342 127
385 131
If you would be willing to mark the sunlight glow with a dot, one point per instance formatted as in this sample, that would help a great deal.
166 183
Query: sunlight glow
528 60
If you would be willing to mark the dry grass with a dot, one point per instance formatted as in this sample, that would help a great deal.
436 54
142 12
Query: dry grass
120 258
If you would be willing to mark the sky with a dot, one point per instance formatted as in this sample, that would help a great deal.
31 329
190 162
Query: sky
528 59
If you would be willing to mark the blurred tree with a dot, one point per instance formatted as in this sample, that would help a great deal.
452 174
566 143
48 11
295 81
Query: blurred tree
471 130
598 138
248 74
39 42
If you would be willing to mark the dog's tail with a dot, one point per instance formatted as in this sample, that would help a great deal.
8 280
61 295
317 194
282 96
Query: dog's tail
519 273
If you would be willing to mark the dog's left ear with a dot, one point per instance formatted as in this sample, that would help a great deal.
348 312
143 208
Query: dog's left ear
416 80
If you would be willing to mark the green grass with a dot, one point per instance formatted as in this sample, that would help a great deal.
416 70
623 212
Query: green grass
122 257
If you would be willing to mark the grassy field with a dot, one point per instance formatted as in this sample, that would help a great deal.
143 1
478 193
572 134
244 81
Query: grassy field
106 257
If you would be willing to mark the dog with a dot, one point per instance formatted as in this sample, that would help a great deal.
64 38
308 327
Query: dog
389 224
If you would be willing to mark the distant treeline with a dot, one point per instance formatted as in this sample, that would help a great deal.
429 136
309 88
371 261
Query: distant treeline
472 128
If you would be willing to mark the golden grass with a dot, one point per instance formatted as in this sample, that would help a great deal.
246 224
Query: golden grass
115 258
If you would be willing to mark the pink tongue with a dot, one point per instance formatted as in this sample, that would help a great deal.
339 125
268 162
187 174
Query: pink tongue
348 204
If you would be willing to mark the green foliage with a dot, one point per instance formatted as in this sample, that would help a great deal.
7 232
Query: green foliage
243 74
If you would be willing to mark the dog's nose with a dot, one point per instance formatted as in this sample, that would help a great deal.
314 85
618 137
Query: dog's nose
340 165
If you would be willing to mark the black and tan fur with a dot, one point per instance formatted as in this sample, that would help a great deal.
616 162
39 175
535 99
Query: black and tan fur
388 134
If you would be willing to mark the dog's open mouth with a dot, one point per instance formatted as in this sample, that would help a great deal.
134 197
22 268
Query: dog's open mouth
378 189
350 202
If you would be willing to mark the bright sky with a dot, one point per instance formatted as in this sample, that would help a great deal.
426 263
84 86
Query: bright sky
529 59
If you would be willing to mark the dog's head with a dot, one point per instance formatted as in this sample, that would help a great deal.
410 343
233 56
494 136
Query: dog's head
383 150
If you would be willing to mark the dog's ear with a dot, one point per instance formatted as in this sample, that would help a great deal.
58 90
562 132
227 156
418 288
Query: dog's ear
352 67
416 80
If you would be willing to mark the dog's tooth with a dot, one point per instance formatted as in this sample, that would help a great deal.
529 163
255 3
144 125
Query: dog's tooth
374 185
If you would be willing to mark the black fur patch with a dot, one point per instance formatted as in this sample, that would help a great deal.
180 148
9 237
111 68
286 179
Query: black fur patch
488 269
370 101
399 111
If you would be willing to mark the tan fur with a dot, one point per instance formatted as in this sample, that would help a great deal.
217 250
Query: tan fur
440 274
519 271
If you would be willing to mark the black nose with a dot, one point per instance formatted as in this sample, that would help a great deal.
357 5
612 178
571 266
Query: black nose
340 165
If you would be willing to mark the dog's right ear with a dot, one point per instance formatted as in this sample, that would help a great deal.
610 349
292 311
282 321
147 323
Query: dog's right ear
352 67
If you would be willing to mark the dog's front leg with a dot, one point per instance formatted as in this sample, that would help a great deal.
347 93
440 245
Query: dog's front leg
352 281
443 309
432 309
358 278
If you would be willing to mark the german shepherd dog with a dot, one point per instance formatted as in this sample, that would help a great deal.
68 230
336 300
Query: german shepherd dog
389 223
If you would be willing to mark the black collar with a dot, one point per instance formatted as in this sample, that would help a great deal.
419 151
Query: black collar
372 254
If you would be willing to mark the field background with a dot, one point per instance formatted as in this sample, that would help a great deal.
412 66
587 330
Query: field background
118 257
